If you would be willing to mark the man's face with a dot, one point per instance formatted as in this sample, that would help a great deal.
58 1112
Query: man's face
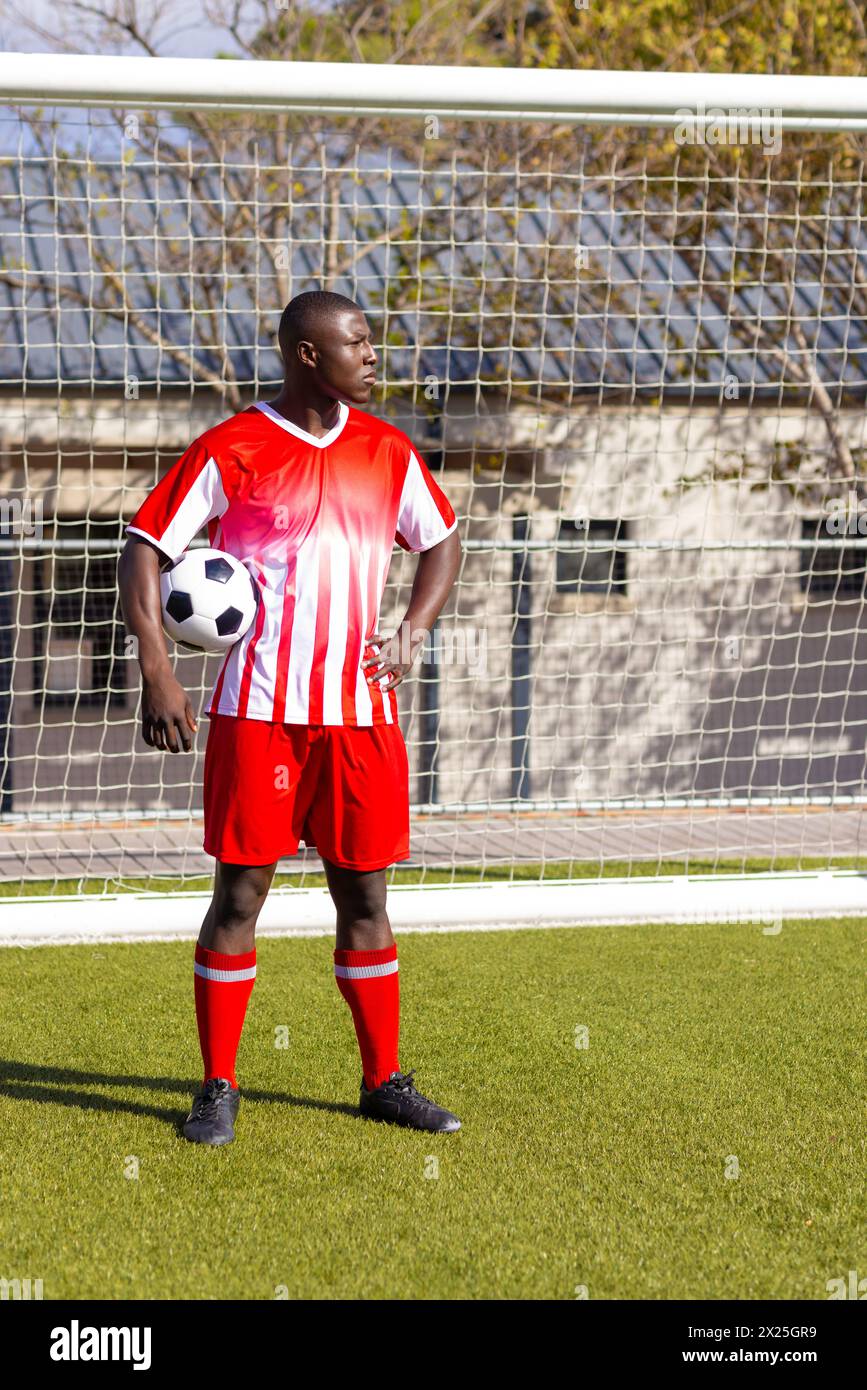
345 359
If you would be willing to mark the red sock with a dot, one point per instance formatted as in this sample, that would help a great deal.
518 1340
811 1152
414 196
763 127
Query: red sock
368 981
223 985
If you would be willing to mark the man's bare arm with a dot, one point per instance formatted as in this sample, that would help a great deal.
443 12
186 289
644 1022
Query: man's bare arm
435 575
167 714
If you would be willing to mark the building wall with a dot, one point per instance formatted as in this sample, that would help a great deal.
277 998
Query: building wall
712 676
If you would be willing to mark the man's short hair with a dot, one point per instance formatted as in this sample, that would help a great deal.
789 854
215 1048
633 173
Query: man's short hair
307 315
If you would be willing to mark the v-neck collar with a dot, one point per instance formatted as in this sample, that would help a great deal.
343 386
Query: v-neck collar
318 443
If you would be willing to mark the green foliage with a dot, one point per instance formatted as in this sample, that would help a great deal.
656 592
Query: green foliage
805 36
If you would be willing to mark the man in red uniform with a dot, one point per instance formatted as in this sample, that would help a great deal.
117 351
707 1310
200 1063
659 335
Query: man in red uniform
303 741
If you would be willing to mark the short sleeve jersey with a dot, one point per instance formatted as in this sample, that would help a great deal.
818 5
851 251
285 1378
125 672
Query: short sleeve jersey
315 522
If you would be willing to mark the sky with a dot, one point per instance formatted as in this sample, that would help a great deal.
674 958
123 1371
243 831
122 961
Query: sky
186 32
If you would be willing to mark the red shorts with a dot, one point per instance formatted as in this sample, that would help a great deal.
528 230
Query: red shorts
341 788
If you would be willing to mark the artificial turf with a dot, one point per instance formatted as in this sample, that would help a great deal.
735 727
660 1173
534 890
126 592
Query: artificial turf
712 1050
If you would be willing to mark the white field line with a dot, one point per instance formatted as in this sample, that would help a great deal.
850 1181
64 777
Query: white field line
760 899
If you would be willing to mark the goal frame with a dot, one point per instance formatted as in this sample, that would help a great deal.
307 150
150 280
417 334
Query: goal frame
830 104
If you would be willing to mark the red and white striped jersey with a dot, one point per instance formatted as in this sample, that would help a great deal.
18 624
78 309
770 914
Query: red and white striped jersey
315 521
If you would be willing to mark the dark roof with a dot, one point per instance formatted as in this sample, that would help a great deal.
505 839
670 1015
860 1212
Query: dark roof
640 317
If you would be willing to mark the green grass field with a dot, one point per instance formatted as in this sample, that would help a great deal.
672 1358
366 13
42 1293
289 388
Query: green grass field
602 1166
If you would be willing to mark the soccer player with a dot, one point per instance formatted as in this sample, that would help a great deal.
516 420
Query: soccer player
303 739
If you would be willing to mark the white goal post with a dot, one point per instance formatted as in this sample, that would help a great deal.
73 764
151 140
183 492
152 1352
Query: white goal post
624 318
610 98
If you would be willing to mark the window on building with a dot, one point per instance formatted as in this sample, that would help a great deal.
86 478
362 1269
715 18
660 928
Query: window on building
78 650
833 571
592 571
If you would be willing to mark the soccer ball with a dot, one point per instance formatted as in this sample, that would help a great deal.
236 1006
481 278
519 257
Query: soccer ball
209 600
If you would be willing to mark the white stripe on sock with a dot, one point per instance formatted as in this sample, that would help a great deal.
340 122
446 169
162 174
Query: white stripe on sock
364 972
225 977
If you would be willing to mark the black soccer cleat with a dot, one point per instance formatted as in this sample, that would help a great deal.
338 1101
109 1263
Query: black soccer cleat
398 1102
212 1118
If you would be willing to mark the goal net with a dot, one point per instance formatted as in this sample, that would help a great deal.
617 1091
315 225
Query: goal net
630 345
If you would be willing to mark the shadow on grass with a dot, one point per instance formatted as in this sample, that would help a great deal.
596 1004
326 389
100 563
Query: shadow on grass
56 1086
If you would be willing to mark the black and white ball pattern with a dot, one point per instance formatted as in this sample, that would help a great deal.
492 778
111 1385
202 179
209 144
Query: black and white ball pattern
209 600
